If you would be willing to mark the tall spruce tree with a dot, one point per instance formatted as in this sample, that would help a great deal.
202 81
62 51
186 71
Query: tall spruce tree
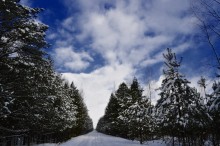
179 110
82 118
124 98
111 114
25 70
110 123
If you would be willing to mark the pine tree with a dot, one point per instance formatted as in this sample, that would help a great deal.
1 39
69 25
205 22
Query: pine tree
33 98
110 123
137 113
214 111
36 98
88 125
21 35
101 125
111 114
82 118
179 105
25 69
123 97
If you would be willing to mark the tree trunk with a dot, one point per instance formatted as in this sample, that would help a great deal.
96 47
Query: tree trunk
141 137
29 141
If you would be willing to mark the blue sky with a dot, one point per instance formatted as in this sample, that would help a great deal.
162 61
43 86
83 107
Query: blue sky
100 43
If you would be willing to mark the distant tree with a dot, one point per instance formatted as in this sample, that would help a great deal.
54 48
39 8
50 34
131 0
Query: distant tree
101 125
82 118
136 112
135 90
128 114
88 125
202 84
111 114
110 123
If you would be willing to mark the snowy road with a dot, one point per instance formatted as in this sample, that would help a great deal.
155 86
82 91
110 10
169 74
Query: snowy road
91 139
98 139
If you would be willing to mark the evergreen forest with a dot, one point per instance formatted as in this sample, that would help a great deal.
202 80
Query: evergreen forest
180 116
34 99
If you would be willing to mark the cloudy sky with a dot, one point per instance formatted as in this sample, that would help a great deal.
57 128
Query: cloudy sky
100 43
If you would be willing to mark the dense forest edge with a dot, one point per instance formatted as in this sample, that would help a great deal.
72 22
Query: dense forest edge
181 116
36 104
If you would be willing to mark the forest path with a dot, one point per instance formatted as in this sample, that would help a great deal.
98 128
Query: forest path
95 138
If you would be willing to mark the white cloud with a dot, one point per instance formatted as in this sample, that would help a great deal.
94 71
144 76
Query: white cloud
130 34
26 2
75 61
68 24
151 90
52 36
123 30
98 85
170 17
128 29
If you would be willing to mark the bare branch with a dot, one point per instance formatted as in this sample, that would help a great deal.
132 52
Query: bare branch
206 26
217 1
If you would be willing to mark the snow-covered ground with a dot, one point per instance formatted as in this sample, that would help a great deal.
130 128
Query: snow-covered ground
98 139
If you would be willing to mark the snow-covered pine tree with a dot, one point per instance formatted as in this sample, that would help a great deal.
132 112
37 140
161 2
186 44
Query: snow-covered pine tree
137 113
33 98
123 97
20 33
88 125
139 119
25 69
111 114
179 105
101 125
214 111
63 106
110 123
82 117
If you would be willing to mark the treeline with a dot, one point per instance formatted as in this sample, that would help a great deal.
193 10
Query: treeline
181 115
34 99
